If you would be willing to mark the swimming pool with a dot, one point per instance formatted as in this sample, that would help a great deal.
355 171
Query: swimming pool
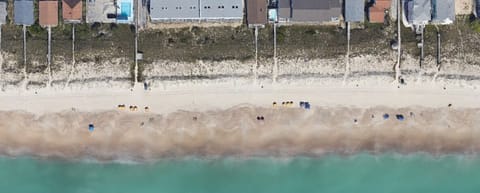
125 12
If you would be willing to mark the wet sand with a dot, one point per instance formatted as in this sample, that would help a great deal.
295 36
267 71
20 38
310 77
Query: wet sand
237 132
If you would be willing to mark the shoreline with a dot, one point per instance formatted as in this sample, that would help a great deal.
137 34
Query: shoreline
235 132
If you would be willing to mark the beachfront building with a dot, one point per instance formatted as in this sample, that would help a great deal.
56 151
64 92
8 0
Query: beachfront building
354 10
101 11
195 10
377 12
23 12
256 12
477 8
72 11
174 10
418 12
48 13
309 11
221 10
3 12
443 11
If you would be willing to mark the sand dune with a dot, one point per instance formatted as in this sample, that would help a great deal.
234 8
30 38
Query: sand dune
236 131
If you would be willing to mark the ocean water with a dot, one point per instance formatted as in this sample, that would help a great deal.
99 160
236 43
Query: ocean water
387 173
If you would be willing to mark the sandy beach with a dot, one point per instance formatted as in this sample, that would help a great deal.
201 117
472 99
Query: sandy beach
221 119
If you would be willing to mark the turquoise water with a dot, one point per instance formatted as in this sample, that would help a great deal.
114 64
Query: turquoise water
361 173
126 9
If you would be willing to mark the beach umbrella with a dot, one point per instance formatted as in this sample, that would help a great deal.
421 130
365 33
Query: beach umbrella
307 105
386 116
400 117
91 127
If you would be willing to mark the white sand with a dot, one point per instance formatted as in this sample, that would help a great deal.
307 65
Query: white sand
44 124
197 97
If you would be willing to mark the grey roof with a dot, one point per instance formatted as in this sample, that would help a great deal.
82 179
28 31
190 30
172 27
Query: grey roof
174 9
284 4
221 9
477 7
3 12
98 10
443 11
354 10
315 4
196 9
316 15
419 12
309 10
23 12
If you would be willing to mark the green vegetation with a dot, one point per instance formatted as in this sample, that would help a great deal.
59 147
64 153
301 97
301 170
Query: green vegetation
102 42
475 25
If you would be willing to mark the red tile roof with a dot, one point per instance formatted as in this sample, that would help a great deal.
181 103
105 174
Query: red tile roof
377 11
72 10
377 15
383 4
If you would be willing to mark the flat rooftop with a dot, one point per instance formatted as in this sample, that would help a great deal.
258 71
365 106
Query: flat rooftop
23 12
100 11
48 13
3 12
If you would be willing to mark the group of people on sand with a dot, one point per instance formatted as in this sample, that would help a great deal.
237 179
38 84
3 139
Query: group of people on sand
284 104
132 108
302 104
386 116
